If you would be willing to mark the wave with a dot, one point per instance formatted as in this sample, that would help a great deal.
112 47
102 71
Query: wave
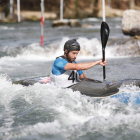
6 28
63 113
90 48
91 19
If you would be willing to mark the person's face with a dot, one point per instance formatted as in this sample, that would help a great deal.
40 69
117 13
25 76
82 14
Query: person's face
73 55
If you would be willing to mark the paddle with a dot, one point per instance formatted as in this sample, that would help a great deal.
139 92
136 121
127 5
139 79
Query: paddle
104 31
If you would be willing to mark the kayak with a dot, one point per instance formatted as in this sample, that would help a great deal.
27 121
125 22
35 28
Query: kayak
32 81
89 87
102 89
97 88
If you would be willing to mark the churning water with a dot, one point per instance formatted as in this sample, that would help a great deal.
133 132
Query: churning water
41 112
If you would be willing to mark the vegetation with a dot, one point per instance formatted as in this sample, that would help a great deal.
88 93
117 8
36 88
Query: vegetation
72 8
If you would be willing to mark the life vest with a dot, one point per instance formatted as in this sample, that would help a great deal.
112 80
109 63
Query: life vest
68 78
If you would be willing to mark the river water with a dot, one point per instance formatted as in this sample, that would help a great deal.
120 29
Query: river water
41 112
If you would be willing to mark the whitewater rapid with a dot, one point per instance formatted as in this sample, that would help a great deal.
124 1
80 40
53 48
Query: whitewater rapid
44 111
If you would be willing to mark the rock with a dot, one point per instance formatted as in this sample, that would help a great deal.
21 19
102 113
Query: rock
10 20
2 16
131 22
87 26
65 22
36 15
137 37
74 23
57 23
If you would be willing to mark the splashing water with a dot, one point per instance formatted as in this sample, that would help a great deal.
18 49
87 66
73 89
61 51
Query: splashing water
43 111
47 112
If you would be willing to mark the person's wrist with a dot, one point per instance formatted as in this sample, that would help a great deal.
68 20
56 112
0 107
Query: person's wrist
98 62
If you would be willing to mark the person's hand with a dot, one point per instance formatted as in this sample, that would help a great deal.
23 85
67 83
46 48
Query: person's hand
102 63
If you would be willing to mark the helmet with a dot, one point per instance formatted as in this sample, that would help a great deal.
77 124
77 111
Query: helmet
72 45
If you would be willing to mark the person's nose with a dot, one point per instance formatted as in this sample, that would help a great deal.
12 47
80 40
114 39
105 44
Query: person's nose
75 55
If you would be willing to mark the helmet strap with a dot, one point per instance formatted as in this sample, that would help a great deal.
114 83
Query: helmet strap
68 57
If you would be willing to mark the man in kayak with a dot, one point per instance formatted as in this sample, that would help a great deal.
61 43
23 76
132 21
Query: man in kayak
65 71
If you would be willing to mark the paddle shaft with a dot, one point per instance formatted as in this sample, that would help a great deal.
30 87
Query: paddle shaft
104 73
103 47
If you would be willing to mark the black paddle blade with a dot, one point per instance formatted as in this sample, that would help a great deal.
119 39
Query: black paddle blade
104 31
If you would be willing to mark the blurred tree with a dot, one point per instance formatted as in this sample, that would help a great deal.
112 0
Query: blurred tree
91 4
72 8
76 8
137 2
109 3
4 6
132 4
34 5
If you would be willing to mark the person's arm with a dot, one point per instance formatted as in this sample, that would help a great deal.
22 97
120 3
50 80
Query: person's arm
83 66
82 76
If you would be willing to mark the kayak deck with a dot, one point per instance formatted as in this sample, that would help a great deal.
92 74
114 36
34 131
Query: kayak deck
89 87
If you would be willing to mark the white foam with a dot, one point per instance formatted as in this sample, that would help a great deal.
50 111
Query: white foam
93 27
7 90
132 91
90 48
6 28
74 114
91 19
118 27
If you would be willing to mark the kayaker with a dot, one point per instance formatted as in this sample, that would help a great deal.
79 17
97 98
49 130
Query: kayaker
65 71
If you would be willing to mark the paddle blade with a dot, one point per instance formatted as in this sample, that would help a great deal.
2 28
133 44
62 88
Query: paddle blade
104 31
